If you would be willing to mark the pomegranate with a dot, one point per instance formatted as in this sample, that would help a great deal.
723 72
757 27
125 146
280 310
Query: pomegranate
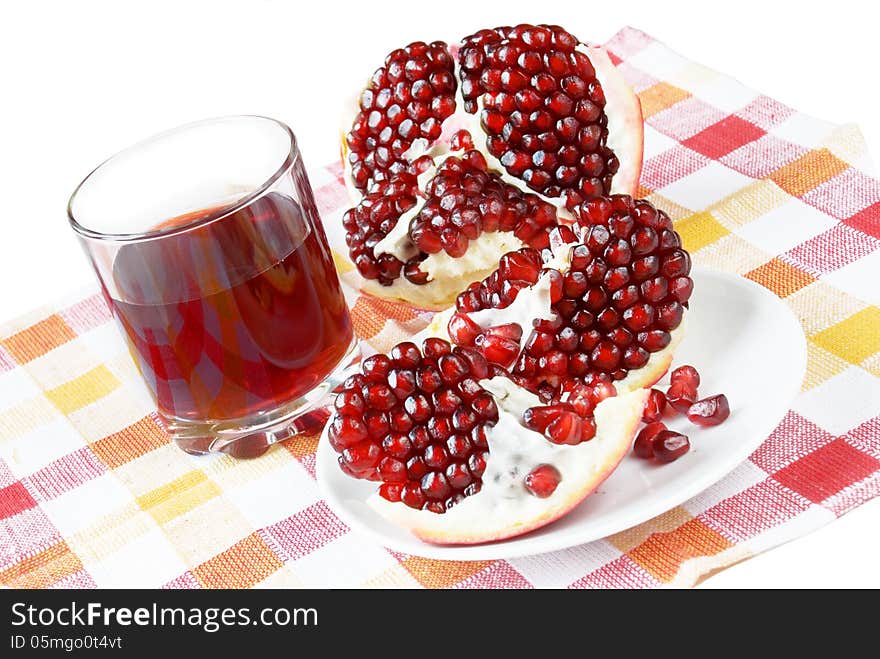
456 452
605 303
447 177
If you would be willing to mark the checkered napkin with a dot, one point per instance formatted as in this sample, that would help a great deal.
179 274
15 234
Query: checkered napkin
92 493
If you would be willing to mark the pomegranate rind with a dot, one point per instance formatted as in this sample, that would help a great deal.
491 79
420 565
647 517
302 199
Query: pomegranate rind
503 508
625 122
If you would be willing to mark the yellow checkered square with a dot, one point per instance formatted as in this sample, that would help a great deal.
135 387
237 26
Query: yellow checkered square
85 389
111 533
872 364
179 496
26 416
853 339
748 204
699 230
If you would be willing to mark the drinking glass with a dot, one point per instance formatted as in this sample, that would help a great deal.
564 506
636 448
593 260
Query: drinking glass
211 254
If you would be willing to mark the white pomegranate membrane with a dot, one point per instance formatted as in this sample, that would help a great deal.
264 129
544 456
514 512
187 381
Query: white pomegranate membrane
408 125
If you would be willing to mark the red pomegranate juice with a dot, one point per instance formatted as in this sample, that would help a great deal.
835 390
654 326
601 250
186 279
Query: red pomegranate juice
235 316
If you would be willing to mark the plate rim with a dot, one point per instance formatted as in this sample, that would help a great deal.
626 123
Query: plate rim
504 549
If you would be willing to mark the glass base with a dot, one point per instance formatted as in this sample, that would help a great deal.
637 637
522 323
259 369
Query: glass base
251 436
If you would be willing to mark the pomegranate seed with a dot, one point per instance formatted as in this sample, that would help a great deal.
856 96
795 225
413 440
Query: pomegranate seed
655 405
497 349
390 491
347 430
681 396
405 355
687 375
709 411
349 402
644 444
458 476
564 429
537 418
397 445
462 330
392 470
362 456
669 445
412 495
543 480
477 463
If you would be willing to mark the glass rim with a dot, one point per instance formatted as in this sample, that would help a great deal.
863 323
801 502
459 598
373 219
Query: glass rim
218 214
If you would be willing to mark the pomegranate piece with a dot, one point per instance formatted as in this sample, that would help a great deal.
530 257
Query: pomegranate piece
644 444
407 99
543 480
654 406
669 445
371 220
541 97
709 411
415 420
543 109
681 396
686 375
614 305
464 200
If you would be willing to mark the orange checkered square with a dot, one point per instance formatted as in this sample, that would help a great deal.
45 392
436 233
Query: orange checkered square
38 339
780 277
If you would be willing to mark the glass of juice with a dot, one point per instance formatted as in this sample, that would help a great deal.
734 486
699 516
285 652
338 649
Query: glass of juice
211 255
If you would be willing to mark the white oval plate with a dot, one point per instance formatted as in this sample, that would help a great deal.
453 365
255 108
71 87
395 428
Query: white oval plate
745 343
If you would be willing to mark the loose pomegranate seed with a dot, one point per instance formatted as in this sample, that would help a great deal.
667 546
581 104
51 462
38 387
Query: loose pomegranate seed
655 405
709 411
416 420
670 446
644 444
543 480
543 109
686 375
681 396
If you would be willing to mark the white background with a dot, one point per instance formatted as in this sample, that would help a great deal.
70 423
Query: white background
81 80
